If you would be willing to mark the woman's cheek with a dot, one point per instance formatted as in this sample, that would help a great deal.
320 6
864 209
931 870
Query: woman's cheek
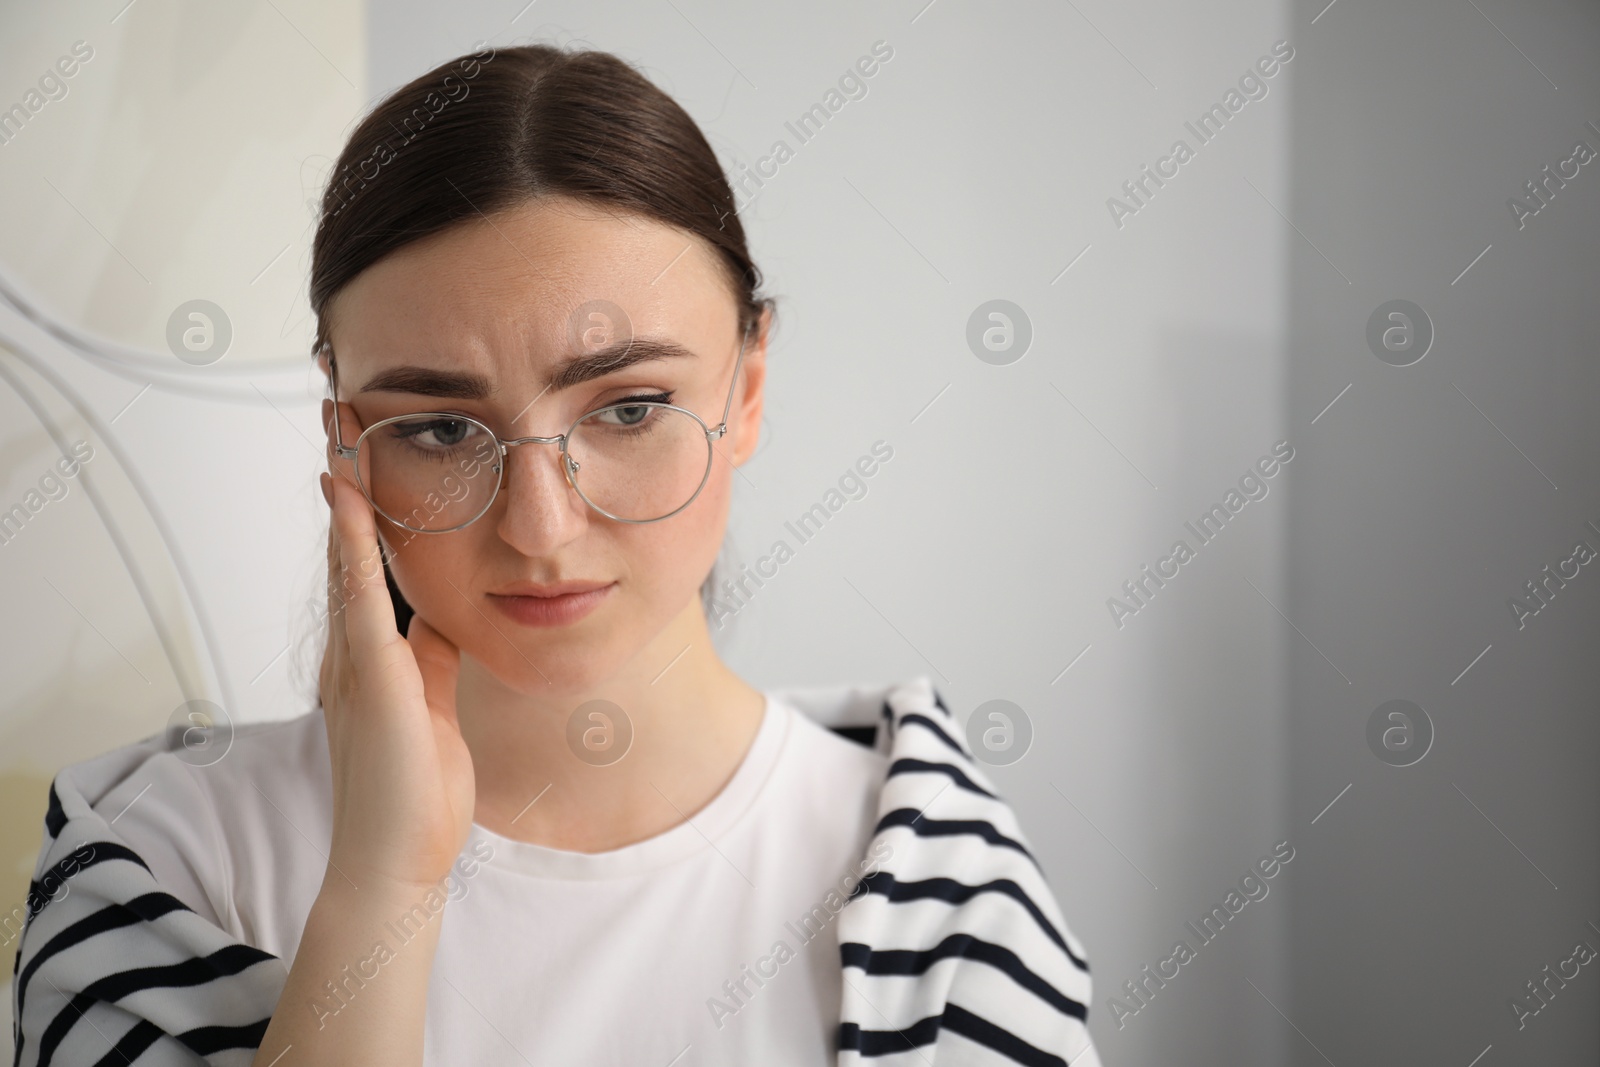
671 567
425 575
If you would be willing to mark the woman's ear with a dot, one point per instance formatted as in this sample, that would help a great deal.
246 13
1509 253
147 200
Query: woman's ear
749 398
324 361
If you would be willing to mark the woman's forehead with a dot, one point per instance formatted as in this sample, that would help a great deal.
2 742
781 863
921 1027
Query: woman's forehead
538 283
544 256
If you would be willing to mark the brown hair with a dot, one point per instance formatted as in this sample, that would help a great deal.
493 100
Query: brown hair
491 129
495 128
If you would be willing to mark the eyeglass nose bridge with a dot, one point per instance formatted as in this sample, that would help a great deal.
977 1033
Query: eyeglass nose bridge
571 464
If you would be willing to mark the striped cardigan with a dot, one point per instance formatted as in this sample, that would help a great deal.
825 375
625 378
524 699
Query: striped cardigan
953 950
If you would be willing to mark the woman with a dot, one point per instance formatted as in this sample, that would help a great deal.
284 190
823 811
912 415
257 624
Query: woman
546 353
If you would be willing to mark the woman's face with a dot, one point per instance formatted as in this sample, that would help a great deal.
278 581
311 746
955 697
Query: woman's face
478 320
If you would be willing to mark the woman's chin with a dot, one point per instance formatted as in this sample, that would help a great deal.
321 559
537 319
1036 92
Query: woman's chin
549 671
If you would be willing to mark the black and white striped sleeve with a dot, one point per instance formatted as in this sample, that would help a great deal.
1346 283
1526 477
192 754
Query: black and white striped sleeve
954 949
112 968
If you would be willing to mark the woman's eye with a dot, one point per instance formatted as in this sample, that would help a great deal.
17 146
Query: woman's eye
439 433
448 432
631 415
632 410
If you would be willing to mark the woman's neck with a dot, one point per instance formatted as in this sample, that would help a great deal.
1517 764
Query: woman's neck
538 781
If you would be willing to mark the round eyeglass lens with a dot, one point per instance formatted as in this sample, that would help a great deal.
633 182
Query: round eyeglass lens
639 462
429 472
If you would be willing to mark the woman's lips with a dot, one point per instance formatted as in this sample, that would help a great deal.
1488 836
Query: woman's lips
550 610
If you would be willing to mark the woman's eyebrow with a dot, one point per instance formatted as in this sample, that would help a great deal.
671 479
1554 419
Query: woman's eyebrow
614 357
466 385
426 381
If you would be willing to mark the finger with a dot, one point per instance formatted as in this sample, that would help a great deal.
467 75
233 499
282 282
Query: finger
332 646
336 647
367 609
440 664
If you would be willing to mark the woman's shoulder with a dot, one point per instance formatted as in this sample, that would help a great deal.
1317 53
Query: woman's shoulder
859 712
135 891
872 715
197 744
853 743
203 804
220 763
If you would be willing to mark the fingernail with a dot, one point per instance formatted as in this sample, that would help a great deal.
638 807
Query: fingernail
327 487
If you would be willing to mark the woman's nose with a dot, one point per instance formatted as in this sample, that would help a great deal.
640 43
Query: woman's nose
541 508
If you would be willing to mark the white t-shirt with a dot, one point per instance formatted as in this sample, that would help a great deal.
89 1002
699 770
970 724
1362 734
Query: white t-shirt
711 943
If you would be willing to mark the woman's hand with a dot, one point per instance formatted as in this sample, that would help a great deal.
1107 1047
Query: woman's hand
403 787
402 808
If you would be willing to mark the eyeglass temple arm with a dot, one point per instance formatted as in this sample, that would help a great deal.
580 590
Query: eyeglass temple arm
722 427
339 447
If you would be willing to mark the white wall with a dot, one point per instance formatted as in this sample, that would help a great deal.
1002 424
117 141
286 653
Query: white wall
179 164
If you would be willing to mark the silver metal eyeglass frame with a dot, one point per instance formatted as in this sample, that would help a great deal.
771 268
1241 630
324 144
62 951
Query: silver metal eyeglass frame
569 466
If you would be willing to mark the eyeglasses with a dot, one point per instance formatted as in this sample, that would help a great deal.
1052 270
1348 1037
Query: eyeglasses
637 460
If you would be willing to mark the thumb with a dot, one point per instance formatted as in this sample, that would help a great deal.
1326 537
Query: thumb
439 663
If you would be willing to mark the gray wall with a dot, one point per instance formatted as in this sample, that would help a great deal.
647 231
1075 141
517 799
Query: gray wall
1430 494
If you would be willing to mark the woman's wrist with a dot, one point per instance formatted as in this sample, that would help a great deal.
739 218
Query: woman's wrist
357 987
367 899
